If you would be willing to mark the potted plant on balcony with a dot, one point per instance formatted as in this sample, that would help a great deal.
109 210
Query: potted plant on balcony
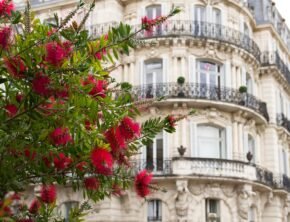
243 92
180 81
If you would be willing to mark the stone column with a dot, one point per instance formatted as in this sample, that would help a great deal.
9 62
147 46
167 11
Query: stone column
175 68
241 142
132 74
182 73
126 73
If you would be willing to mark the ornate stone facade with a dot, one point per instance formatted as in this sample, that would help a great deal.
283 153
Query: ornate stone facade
217 46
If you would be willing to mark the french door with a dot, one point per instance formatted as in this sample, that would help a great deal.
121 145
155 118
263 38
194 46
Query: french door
153 78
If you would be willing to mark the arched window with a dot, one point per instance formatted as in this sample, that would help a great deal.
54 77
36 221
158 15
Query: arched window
154 212
155 154
66 207
211 141
251 147
199 13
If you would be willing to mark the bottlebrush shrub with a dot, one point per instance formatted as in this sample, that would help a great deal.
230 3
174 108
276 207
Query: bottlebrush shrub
61 122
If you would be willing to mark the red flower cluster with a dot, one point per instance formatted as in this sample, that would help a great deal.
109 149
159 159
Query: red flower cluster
6 7
61 161
171 120
5 37
80 166
29 155
60 136
11 110
15 67
34 206
142 181
91 183
98 86
147 24
126 131
56 52
102 160
41 85
19 97
48 194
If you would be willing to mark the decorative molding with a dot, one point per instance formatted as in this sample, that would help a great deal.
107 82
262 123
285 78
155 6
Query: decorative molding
210 51
211 2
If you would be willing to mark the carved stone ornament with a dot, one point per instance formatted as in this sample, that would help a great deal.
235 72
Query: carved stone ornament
211 2
243 204
228 191
211 52
196 189
182 200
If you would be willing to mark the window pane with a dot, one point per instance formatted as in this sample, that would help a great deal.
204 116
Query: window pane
199 13
159 154
154 210
217 16
149 157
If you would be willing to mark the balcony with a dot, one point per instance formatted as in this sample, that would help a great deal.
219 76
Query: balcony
156 166
233 169
283 121
40 3
192 29
202 92
273 59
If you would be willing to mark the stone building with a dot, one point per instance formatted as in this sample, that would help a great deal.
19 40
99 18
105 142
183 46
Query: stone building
236 164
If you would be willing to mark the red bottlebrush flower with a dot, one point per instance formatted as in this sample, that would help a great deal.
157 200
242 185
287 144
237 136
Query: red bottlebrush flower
129 129
171 120
91 183
48 194
115 139
6 7
98 86
46 161
60 136
29 155
11 110
56 53
15 66
15 196
102 161
34 206
61 162
147 24
99 55
5 37
81 166
41 85
88 125
142 181
19 97
63 93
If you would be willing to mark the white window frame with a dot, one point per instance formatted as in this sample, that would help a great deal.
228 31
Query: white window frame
208 212
157 207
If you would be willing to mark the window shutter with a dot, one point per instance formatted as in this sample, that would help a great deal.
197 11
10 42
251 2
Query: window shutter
193 139
192 69
229 145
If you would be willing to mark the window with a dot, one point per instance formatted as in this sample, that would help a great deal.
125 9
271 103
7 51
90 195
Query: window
251 146
154 211
66 207
211 142
249 83
199 14
209 73
212 210
155 154
217 19
246 29
152 12
284 156
153 76
252 214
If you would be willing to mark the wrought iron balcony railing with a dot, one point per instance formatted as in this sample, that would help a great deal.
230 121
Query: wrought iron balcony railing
283 121
156 166
201 91
194 29
39 3
273 58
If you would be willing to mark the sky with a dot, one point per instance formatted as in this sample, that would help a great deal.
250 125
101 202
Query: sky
284 9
